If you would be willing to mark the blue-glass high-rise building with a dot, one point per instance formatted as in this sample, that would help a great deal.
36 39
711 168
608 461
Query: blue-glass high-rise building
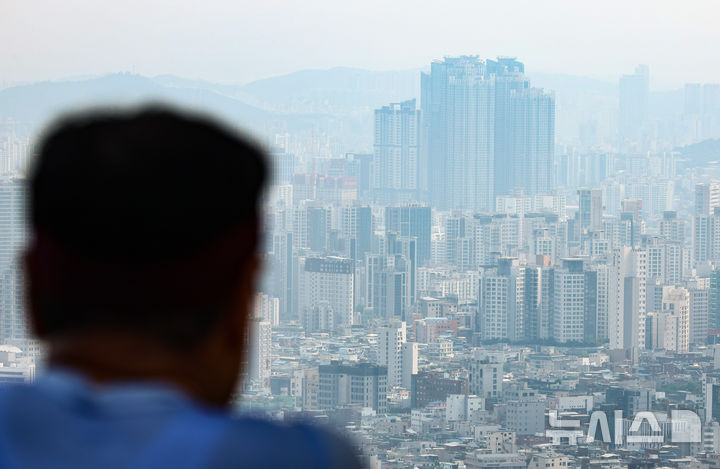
633 100
13 327
458 105
714 301
485 132
532 143
413 220
510 81
524 131
394 175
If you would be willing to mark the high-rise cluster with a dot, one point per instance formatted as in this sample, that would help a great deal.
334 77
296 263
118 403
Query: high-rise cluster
485 132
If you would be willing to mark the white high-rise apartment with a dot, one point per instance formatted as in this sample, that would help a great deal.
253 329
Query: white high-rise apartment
665 261
399 356
500 302
390 342
627 298
486 374
494 304
267 308
661 331
676 301
602 277
672 228
537 302
569 302
707 197
260 352
706 237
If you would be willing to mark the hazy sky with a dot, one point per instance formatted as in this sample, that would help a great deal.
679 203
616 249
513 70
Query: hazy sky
238 41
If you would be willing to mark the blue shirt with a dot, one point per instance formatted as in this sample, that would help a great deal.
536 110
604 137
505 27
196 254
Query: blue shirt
63 421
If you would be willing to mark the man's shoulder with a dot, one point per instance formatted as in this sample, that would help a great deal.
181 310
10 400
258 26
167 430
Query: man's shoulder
229 441
271 444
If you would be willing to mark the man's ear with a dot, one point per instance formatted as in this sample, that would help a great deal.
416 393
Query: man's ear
32 296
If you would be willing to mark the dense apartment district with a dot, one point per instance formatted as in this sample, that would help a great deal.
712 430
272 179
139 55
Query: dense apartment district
472 294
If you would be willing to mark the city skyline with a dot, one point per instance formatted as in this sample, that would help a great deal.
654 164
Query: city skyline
447 277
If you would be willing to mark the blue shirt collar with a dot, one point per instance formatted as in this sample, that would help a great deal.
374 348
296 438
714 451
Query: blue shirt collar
123 397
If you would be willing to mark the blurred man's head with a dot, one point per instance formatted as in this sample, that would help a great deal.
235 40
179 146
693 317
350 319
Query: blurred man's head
145 225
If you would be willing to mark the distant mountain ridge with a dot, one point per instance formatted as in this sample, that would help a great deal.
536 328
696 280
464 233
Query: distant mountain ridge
701 153
338 102
339 90
39 102
33 106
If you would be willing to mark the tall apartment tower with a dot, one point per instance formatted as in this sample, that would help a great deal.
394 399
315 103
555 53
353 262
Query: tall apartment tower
702 107
633 98
601 275
326 282
284 281
267 308
458 104
411 220
356 228
707 197
524 131
532 142
590 209
13 327
500 300
311 226
510 83
397 354
404 249
537 302
714 301
699 291
568 322
701 238
260 352
672 228
627 298
457 228
394 172
485 133
409 363
388 282
706 237
676 302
